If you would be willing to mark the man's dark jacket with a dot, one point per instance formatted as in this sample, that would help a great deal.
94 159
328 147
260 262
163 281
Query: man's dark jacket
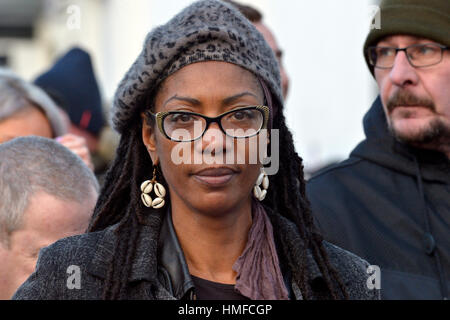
159 270
389 204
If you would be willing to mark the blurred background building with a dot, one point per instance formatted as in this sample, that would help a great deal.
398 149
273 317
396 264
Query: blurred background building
330 85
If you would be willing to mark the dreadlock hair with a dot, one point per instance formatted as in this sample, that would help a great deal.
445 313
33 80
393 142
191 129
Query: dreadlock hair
288 198
119 203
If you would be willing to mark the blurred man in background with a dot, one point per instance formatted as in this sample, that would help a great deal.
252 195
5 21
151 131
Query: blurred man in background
27 110
47 193
256 18
390 201
72 85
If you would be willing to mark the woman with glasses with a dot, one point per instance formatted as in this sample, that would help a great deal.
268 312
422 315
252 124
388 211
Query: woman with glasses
188 210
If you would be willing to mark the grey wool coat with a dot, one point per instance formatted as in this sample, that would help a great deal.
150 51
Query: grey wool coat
89 254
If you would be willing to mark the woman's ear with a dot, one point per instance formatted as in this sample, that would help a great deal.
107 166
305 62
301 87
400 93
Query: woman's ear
148 138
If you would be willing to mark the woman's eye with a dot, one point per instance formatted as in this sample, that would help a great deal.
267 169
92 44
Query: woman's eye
181 118
242 115
239 115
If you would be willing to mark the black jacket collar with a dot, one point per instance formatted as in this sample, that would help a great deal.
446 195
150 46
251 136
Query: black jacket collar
144 265
382 148
172 261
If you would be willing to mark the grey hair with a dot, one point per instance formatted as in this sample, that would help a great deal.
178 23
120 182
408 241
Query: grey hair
16 94
31 164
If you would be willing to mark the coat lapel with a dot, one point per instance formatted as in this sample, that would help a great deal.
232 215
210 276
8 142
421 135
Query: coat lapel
144 264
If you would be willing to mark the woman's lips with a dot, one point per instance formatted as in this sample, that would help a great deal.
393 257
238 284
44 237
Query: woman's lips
215 176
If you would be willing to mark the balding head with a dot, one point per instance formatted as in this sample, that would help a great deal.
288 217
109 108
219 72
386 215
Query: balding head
47 193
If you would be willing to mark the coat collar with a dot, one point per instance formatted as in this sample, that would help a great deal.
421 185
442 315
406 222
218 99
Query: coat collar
171 259
144 265
382 148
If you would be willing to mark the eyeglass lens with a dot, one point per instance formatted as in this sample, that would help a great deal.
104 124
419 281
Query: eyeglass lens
418 55
183 126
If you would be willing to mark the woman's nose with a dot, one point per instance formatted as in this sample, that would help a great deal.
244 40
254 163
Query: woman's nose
213 139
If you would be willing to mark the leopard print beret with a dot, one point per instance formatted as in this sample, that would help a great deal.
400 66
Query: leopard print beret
207 30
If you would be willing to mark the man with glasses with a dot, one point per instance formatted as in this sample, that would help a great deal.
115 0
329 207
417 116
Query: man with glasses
390 201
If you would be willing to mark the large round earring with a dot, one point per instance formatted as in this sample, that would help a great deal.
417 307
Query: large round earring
262 181
147 187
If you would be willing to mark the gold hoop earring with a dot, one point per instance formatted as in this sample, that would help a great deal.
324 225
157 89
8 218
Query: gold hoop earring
262 181
147 186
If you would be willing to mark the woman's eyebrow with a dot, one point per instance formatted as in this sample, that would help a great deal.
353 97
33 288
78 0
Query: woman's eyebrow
196 102
186 99
233 98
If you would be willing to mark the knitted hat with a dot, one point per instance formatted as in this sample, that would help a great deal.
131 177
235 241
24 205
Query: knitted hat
207 30
421 18
71 83
14 89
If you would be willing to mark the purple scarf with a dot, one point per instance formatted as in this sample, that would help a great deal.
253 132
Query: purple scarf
258 270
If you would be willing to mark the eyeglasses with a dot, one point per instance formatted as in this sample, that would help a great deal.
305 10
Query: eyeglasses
184 126
419 55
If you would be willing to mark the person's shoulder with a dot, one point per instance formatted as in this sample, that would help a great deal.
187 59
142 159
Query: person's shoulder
77 249
354 271
78 245
56 263
343 167
331 190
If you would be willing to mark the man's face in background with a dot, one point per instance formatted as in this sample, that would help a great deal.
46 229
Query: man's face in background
26 122
269 37
416 100
45 220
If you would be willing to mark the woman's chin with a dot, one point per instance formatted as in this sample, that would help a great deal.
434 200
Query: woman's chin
215 203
